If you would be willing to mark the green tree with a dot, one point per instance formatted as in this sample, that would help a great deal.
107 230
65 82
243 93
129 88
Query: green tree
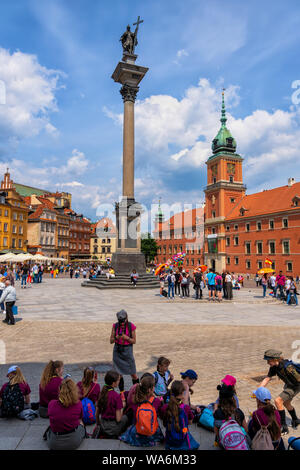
149 247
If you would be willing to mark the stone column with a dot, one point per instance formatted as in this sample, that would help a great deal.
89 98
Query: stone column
129 95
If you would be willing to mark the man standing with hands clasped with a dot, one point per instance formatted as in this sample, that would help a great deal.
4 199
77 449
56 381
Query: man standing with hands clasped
9 297
289 373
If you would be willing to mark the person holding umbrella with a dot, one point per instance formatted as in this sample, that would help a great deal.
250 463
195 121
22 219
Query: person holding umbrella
123 336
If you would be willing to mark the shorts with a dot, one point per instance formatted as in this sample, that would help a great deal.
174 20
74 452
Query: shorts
219 288
162 283
289 393
211 287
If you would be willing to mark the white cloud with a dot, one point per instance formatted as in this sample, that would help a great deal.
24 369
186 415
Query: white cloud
164 123
29 95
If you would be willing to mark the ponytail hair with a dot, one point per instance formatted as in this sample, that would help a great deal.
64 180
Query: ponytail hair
110 377
87 380
172 412
273 425
49 372
68 393
143 388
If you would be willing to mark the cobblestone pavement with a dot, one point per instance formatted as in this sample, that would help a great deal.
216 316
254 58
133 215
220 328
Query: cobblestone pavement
61 320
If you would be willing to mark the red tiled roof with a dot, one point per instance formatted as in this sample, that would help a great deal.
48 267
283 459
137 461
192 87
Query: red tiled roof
266 202
182 220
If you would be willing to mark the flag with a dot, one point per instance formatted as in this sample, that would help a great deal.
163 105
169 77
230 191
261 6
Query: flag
268 261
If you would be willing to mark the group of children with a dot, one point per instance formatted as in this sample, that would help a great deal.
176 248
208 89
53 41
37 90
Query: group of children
135 416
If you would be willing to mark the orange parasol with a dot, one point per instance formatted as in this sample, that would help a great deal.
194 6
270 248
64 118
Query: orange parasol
159 269
203 267
265 271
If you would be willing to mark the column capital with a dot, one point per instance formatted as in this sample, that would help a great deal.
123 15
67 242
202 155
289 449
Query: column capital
129 92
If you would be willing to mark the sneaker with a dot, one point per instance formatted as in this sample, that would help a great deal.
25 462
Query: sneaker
284 430
4 321
295 423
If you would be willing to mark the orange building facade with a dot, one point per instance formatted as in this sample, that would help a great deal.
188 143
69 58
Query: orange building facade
183 232
242 231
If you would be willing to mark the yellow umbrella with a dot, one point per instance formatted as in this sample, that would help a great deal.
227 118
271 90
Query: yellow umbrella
265 271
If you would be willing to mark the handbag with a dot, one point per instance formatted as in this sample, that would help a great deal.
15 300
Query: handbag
15 310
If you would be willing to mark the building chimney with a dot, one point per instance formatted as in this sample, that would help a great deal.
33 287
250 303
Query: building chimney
291 181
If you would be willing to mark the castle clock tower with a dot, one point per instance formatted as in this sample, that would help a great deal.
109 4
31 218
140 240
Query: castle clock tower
224 190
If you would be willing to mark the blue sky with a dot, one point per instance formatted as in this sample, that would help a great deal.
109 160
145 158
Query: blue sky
61 125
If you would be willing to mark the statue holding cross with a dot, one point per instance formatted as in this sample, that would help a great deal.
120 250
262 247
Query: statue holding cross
129 39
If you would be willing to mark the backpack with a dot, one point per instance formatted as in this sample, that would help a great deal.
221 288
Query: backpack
146 419
12 401
175 438
262 439
296 366
156 377
207 419
165 293
232 437
89 411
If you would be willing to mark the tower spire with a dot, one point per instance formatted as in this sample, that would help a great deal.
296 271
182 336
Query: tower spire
223 113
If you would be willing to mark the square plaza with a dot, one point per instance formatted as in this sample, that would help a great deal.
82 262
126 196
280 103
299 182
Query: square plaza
61 320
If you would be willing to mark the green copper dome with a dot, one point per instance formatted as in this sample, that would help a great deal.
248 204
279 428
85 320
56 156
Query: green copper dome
224 139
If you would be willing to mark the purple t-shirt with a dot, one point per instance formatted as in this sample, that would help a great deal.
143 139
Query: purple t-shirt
50 392
25 389
114 403
263 418
156 404
93 393
62 418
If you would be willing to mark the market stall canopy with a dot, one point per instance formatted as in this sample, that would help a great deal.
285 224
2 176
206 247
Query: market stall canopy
266 271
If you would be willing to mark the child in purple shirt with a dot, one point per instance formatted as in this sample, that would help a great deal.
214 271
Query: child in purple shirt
15 377
109 410
49 386
88 387
66 430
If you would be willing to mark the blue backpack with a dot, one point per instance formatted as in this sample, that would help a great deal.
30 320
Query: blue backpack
207 419
89 411
175 438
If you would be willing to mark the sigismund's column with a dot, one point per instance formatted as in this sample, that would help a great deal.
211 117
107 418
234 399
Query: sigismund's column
128 254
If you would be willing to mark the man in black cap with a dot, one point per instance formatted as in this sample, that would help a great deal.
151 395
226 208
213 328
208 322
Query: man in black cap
290 375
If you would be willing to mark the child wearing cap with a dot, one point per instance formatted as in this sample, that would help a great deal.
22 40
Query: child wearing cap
18 384
266 415
228 380
189 378
288 373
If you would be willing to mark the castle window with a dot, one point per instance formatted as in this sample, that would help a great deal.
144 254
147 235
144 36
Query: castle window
285 223
247 227
259 248
214 179
259 264
289 266
228 260
231 179
258 226
227 228
236 260
236 241
271 224
213 214
248 248
272 248
248 264
227 241
232 199
236 227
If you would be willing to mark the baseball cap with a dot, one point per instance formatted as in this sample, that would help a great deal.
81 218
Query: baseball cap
12 369
229 380
272 354
262 394
122 315
191 374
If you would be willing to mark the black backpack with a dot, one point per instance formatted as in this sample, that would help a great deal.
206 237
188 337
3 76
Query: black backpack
12 401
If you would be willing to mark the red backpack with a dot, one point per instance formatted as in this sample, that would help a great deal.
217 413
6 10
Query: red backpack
146 419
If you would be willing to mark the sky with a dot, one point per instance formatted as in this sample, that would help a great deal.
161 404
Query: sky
61 113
